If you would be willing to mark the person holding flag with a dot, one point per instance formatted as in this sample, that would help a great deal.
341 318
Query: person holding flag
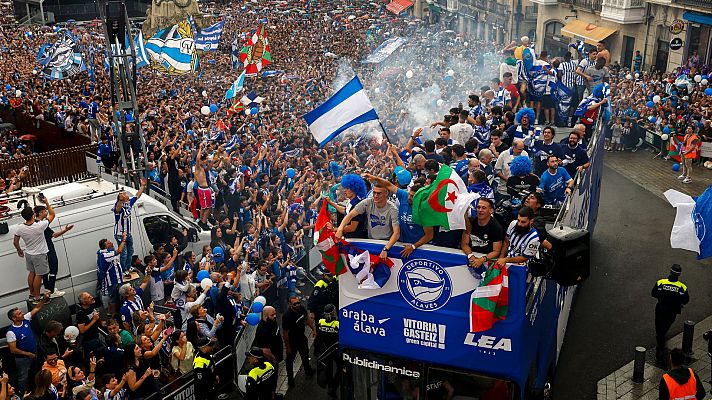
381 219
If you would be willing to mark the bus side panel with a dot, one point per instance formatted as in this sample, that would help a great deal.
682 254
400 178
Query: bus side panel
547 316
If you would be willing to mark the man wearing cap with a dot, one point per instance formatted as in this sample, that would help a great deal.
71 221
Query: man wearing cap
672 295
204 369
262 378
327 353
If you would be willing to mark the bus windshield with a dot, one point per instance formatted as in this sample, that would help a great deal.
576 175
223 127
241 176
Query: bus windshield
375 377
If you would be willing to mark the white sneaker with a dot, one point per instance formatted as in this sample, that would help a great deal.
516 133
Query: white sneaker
56 293
681 177
687 180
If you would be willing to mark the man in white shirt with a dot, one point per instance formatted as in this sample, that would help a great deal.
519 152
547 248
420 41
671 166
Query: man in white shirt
35 253
501 168
461 132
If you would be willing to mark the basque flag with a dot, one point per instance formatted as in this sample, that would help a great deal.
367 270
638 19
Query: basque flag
348 107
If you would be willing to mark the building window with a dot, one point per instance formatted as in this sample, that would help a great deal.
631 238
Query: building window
554 28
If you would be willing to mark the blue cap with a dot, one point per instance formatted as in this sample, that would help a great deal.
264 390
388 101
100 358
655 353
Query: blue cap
403 176
218 254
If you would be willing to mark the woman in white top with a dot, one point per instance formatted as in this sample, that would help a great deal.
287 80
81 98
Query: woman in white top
181 353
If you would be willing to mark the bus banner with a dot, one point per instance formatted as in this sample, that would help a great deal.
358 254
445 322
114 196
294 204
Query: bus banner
422 313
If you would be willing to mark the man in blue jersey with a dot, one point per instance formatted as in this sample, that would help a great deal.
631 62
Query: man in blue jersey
109 271
522 240
122 223
555 182
133 302
22 342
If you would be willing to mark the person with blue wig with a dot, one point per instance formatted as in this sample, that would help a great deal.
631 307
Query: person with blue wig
355 190
523 127
522 180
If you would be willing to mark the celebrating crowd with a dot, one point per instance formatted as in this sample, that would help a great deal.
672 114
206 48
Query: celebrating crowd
256 181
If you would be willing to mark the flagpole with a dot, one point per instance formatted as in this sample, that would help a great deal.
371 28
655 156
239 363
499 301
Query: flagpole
384 132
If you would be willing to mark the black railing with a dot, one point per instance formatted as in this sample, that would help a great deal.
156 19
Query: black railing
593 5
696 3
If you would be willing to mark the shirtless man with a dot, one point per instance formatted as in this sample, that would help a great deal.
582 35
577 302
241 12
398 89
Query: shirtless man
205 195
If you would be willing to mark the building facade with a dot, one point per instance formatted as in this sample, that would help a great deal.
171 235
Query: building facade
627 26
624 26
497 21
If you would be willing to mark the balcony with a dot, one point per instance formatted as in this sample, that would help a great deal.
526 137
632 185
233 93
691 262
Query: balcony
588 5
546 2
623 11
703 4
530 12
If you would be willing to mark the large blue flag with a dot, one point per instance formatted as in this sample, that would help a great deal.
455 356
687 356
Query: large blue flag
209 38
62 59
172 50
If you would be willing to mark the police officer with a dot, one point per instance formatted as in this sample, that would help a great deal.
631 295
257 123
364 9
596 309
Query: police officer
325 344
204 368
672 295
262 379
320 295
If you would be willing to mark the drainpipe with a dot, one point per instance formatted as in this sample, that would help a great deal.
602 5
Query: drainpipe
647 33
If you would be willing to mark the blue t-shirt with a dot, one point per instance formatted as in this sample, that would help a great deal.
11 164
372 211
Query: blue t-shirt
573 158
461 168
554 186
409 231
543 151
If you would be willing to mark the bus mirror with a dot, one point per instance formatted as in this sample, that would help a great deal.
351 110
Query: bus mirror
192 234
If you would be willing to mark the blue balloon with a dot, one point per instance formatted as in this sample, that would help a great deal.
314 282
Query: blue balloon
291 173
8 87
652 119
254 110
257 307
447 78
705 76
213 108
253 319
708 91
666 130
676 167
202 274
650 104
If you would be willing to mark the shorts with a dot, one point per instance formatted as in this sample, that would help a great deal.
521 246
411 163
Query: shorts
205 198
37 263
547 101
113 294
616 140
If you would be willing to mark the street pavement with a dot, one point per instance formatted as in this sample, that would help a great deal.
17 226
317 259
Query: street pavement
613 311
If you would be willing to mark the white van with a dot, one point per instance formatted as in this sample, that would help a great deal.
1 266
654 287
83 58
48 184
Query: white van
88 206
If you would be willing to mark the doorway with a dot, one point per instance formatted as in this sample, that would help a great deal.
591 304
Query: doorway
628 49
661 57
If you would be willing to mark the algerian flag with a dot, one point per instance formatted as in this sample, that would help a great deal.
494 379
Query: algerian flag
444 202
489 303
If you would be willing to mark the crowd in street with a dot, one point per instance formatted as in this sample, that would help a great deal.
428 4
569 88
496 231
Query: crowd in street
257 181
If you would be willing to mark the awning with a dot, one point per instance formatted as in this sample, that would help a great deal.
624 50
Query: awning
589 33
398 6
705 19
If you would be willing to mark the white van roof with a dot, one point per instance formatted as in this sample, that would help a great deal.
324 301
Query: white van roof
63 194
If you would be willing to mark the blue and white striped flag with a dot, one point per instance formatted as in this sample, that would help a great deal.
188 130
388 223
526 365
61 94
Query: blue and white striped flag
236 87
142 59
209 38
348 107
172 50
